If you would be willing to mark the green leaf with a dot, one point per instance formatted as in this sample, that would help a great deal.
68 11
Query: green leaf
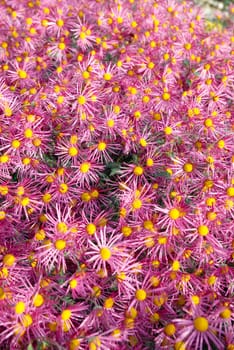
112 165
15 177
186 62
162 174
115 171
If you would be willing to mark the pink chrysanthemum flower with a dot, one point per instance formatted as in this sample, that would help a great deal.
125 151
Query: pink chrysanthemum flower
116 176
197 332
104 252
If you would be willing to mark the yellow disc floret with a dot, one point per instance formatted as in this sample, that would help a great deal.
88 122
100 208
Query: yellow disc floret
62 227
20 308
91 229
230 191
138 170
188 167
8 260
141 294
60 244
101 146
22 74
107 76
203 230
105 253
38 300
170 329
81 100
27 320
201 324
84 167
226 313
174 213
72 151
66 315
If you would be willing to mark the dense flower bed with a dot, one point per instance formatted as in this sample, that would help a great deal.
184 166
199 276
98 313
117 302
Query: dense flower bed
116 176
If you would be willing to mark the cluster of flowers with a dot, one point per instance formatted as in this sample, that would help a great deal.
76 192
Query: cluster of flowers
116 176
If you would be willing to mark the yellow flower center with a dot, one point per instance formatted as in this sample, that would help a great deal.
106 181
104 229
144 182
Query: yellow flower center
2 214
195 299
74 344
221 144
136 204
203 230
61 46
82 35
174 213
38 300
155 317
85 197
91 229
149 162
37 142
94 194
179 345
110 123
138 170
60 244
166 96
84 167
8 260
175 265
211 215
170 329
81 100
168 130
148 225
62 227
141 295
210 201
60 23
150 65
201 324
22 74
28 133
25 201
86 74
73 283
188 167
4 158
101 146
208 123
3 190
105 253
126 231
121 277
46 197
20 308
27 320
226 313
162 240
40 235
63 188
72 151
187 46
109 302
66 315
96 291
230 191
149 242
107 76
15 144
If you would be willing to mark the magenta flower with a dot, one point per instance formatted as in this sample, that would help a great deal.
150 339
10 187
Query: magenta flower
116 176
